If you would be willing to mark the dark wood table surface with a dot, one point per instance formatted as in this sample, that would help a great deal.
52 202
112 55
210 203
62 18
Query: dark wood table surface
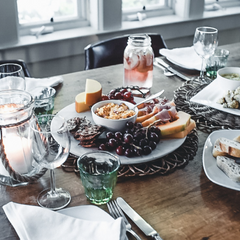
184 204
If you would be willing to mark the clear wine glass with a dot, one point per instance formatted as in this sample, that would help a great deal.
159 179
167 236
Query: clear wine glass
12 77
205 42
50 148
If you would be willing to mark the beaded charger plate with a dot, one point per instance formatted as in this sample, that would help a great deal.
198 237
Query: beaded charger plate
164 165
207 119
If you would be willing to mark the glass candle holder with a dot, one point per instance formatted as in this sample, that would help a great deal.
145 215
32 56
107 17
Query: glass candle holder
16 165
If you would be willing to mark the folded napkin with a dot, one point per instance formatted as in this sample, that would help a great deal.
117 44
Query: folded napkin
32 222
31 83
185 57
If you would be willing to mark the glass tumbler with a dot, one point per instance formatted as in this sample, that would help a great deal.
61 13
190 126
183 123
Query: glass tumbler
215 62
138 62
43 100
98 172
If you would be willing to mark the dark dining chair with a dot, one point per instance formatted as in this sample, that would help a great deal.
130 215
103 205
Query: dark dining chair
110 51
21 63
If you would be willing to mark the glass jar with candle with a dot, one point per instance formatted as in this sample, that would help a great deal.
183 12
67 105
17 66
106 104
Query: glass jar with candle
138 62
16 165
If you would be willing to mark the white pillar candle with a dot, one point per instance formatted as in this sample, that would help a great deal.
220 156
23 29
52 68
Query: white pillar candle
18 153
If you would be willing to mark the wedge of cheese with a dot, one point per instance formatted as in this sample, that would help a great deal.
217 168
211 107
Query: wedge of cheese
183 133
93 92
80 104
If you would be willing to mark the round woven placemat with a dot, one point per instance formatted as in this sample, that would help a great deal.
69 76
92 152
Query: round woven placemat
179 158
207 119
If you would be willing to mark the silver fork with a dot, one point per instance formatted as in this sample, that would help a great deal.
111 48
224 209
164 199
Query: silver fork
116 212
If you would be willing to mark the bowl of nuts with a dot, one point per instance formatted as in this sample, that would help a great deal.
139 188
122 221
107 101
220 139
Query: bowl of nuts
114 114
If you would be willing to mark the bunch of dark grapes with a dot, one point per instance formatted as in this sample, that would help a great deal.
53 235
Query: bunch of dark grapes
135 141
121 94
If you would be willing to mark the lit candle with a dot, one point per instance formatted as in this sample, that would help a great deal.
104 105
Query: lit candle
18 153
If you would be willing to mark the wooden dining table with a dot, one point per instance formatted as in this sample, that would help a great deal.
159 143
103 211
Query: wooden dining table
182 204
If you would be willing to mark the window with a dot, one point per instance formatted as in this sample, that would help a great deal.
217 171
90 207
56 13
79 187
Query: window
148 8
141 5
30 11
223 3
61 14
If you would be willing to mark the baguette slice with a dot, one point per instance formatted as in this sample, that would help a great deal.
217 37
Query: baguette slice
230 147
217 151
229 167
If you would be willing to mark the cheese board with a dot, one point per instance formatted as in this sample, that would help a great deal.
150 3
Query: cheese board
164 147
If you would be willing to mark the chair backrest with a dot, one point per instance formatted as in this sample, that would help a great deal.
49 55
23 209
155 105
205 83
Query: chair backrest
110 51
21 63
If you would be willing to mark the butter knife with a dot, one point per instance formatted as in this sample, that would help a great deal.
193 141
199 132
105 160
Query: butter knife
138 220
170 69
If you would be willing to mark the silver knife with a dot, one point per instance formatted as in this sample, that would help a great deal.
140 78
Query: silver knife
138 220
169 68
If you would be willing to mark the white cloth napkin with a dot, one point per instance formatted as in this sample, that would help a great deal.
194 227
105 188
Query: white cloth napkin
31 83
185 57
32 222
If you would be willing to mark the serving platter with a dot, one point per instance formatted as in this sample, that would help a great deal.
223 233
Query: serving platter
212 93
164 147
215 174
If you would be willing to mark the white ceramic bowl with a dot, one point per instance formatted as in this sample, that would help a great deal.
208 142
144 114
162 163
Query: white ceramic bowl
113 125
228 84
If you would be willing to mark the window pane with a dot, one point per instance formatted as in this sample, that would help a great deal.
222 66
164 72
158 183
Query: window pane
130 4
32 11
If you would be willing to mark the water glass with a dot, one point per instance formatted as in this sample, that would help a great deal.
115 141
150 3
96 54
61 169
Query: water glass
44 100
12 77
215 62
98 172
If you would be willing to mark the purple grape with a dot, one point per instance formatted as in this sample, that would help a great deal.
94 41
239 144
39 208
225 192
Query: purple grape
110 135
128 138
153 145
147 150
120 150
128 153
112 142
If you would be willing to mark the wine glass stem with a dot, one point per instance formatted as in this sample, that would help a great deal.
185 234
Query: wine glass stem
202 72
52 181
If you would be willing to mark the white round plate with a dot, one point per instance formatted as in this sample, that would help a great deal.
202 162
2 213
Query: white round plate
215 174
164 147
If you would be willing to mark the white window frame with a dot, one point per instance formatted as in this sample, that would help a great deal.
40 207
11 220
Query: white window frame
63 23
223 3
152 11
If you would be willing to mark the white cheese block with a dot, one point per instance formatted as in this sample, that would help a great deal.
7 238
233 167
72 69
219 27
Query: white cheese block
93 92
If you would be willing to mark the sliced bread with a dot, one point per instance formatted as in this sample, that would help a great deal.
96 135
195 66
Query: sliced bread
229 167
230 147
217 151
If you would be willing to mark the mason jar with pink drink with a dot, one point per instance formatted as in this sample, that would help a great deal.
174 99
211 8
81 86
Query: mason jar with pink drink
138 62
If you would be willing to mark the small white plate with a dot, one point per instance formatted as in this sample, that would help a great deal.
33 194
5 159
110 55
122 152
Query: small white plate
215 174
87 212
211 94
164 147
